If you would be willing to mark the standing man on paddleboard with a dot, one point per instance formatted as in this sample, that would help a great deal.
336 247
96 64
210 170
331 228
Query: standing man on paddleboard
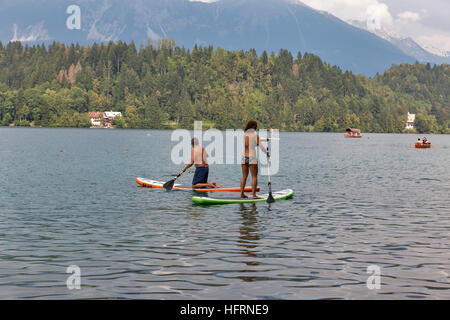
199 158
249 160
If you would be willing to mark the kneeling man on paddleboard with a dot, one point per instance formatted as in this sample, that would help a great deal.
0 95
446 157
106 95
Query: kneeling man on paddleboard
199 158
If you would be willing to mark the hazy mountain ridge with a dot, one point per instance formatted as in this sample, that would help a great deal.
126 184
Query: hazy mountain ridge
232 24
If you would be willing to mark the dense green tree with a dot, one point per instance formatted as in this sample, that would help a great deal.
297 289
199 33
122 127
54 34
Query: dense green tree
426 123
161 86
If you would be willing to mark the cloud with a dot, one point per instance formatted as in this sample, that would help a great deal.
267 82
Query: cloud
152 35
374 12
427 23
33 33
408 16
377 15
436 43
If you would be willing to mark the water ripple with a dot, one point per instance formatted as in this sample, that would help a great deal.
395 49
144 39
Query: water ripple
356 205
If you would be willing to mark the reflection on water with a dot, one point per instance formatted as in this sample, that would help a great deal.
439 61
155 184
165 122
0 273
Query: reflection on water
248 237
375 201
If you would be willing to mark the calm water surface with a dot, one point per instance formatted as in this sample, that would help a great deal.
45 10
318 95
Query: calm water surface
358 202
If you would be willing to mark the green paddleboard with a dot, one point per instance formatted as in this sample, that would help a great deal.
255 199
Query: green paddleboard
279 195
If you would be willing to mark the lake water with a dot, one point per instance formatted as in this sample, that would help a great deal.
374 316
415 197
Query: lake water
358 202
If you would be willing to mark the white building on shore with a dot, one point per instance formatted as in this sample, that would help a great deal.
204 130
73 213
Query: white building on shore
112 114
410 121
95 119
103 119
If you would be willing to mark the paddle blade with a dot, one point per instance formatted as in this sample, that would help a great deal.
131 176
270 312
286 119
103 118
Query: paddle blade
169 185
270 198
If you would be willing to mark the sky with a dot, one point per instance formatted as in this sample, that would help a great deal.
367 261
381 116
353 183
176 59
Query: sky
425 21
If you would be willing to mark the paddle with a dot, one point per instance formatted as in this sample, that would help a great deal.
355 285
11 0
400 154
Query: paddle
169 184
270 198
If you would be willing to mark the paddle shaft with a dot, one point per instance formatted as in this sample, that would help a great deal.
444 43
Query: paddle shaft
175 175
270 197
268 172
178 175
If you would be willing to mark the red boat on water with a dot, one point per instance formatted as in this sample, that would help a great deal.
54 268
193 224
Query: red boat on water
352 133
421 145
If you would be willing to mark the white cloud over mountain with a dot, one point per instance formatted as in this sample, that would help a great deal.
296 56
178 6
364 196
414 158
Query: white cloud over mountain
409 16
353 9
424 21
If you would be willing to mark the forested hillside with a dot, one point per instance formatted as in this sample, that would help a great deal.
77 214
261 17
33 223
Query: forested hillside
162 86
430 86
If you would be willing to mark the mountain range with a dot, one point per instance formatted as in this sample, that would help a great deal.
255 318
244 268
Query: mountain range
231 24
406 44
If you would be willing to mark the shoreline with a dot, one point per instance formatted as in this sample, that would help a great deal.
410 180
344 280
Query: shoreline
190 129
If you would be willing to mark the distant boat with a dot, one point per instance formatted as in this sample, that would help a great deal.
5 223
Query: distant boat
352 133
421 145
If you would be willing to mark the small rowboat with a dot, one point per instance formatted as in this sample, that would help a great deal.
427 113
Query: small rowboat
347 135
352 133
421 145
